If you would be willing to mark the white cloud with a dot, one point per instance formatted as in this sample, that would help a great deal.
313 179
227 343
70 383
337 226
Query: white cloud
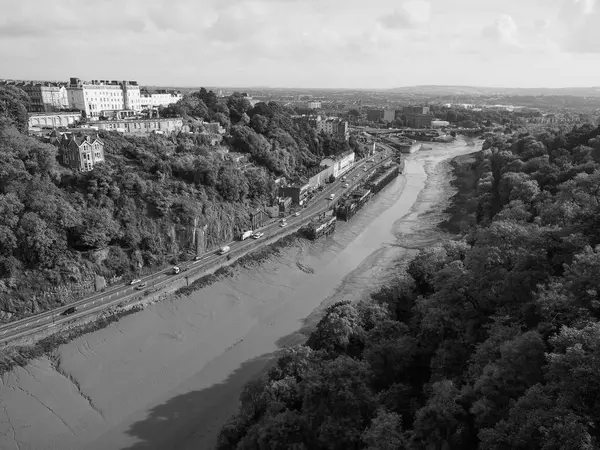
503 30
409 15
578 26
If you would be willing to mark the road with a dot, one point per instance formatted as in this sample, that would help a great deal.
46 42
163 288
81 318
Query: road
123 292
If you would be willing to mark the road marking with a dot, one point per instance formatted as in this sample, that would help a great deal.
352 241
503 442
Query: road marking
38 321
4 332
18 326
84 305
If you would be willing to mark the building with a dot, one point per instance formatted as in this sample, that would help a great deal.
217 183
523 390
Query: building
374 115
96 96
417 116
142 126
297 193
439 123
258 218
389 115
45 97
56 120
285 206
313 105
81 152
334 127
341 164
158 98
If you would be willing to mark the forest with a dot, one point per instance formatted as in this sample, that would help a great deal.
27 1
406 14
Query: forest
59 229
490 341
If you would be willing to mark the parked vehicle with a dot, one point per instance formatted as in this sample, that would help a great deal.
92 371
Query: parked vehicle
332 196
176 270
198 258
139 287
137 280
224 250
257 235
297 214
245 235
68 311
346 185
283 224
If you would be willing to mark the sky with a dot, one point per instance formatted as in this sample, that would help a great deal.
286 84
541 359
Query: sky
304 43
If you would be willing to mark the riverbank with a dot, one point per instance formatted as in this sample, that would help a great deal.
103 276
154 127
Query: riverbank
170 375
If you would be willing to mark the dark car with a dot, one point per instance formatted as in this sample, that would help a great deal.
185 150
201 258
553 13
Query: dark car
68 311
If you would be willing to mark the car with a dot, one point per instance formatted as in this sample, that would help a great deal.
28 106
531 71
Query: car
297 214
68 311
332 196
257 235
139 287
365 169
136 281
283 224
197 258
346 185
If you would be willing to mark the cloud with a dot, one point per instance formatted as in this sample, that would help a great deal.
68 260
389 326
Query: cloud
579 26
409 15
504 30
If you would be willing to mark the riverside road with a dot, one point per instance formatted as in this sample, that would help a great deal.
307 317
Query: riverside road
121 293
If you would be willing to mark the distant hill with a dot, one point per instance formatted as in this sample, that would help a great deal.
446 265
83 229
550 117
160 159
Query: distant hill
487 91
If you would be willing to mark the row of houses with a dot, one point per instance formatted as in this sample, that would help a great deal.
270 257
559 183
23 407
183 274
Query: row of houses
336 167
94 98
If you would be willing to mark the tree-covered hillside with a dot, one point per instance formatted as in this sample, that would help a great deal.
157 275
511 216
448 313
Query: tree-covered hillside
59 229
489 342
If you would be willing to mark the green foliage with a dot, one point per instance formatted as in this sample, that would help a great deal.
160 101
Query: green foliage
13 107
490 342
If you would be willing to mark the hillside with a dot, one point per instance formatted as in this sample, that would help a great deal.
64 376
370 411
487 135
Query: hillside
155 200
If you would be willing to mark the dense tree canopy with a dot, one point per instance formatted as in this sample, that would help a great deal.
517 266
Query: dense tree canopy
488 342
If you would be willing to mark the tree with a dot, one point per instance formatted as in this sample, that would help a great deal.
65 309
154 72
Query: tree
385 432
13 107
238 104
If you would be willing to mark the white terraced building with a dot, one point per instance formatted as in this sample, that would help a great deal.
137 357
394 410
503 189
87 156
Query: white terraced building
94 97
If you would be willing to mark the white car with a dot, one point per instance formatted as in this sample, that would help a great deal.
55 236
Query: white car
136 281
257 235
346 185
297 214
332 196
283 224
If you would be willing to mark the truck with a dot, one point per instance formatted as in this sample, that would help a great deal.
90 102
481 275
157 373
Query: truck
224 250
176 270
245 235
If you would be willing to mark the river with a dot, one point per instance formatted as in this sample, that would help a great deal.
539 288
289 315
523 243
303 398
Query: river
169 376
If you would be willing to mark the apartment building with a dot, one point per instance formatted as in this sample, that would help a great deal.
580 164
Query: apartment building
313 105
81 152
96 96
43 96
160 97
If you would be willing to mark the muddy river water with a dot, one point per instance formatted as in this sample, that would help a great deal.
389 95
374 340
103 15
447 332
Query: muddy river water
169 376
